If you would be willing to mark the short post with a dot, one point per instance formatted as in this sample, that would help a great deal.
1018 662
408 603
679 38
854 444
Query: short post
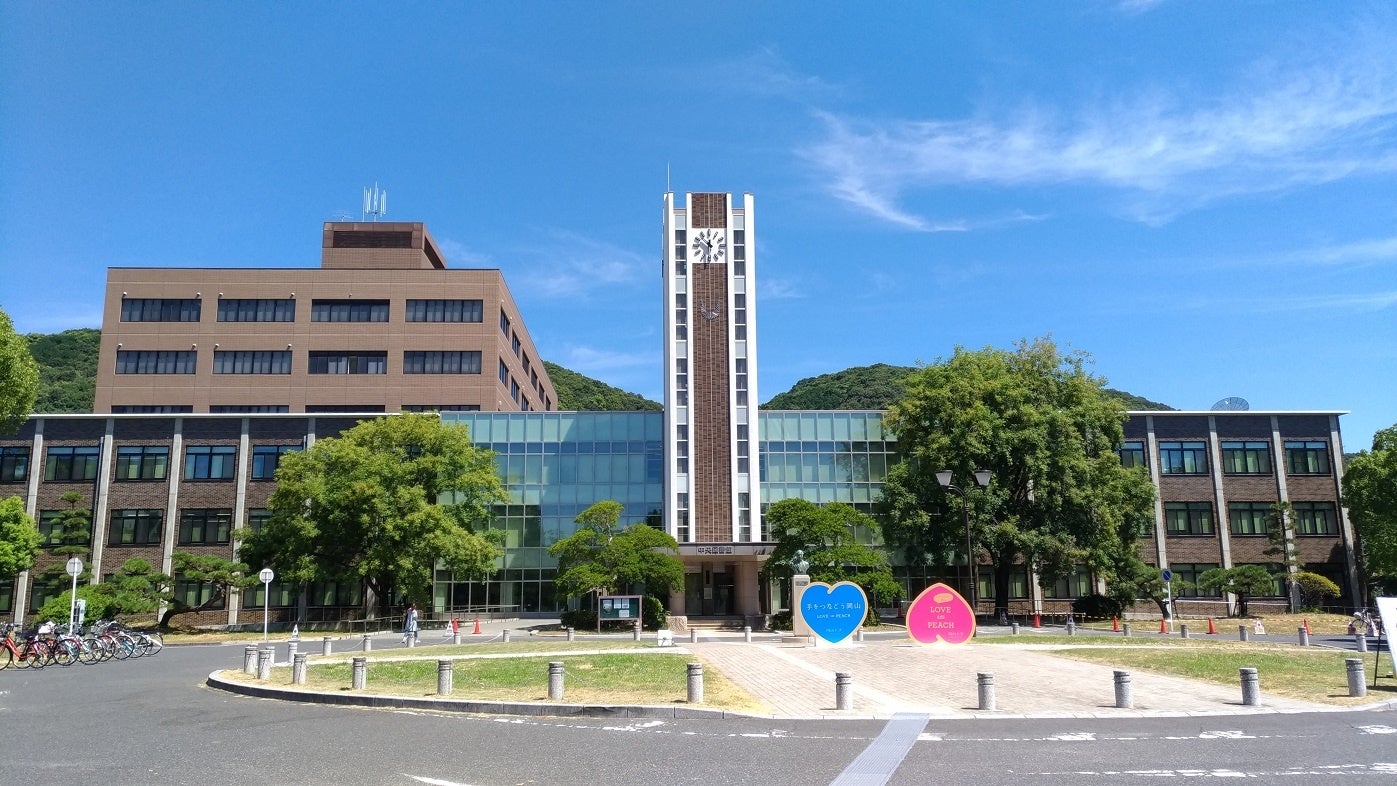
250 659
693 635
1244 633
635 633
298 668
411 642
326 645
843 690
695 683
444 677
572 634
455 637
1013 628
264 662
985 679
1071 627
1251 687
1357 684
1304 636
1125 691
555 679
1125 630
504 635
1361 641
368 643
360 666
1183 631
291 649
858 635
747 634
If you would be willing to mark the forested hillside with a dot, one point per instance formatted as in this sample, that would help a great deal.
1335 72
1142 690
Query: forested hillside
67 369
576 392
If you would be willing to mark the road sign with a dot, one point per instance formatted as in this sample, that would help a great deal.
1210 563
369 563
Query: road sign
266 575
1168 576
75 567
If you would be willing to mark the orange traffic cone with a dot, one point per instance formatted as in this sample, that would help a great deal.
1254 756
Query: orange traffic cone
1212 628
1116 624
477 627
1307 626
1163 625
1037 623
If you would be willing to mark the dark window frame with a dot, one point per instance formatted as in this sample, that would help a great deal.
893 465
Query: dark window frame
1197 518
142 462
210 462
219 520
1183 457
136 527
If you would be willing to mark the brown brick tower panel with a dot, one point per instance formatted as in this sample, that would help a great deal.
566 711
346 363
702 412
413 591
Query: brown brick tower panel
712 450
709 211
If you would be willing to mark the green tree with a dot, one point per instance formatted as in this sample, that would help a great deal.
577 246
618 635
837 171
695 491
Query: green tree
382 504
828 536
67 369
1370 492
602 556
100 604
582 393
19 378
1244 581
1282 550
215 577
74 539
1314 589
1043 425
19 539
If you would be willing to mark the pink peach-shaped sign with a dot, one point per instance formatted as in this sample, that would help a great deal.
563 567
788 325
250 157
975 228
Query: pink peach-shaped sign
940 614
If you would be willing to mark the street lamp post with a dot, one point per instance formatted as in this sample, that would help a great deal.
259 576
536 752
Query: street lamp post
982 479
74 569
266 575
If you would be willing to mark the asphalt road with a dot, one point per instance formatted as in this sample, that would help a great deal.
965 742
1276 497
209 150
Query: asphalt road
152 721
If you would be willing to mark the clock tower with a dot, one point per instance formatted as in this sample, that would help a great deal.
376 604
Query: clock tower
712 494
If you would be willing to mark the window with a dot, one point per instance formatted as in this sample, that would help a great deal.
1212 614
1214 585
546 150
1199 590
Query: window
247 409
344 408
1249 518
14 464
504 323
1188 518
514 344
143 361
1185 583
51 527
1079 584
135 527
1315 518
1132 454
1183 458
434 362
441 407
256 310
209 462
446 311
504 373
265 459
277 361
349 311
204 526
1246 458
151 409
196 594
348 363
142 462
281 596
70 463
1307 457
514 390
154 309
257 518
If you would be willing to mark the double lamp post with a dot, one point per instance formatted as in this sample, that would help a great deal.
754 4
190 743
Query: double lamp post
982 479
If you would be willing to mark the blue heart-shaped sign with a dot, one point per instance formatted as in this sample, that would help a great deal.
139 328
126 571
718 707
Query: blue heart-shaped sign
833 612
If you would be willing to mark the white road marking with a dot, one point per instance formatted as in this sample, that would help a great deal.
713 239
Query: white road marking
1376 729
433 781
1380 767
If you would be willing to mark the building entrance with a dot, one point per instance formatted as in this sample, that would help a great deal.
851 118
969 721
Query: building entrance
709 592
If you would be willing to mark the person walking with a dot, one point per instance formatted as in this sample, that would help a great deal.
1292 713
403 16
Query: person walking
410 623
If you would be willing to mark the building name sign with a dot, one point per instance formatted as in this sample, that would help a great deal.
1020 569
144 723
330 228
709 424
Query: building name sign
725 550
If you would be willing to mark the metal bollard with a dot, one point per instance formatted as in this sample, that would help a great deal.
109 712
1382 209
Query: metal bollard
1244 633
505 635
1071 628
572 634
1361 641
360 667
843 690
1125 630
1251 687
412 641
444 677
1304 636
1013 628
291 649
326 646
555 680
455 637
985 679
858 635
1183 631
635 633
1125 691
264 662
250 659
695 683
1357 684
747 633
368 643
693 635
298 669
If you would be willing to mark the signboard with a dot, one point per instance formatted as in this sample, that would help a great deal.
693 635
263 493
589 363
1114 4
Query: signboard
940 614
833 613
617 607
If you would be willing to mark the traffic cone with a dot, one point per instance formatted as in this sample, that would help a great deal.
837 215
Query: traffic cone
1116 624
455 624
1212 628
1163 625
1037 623
477 626
1307 626
295 632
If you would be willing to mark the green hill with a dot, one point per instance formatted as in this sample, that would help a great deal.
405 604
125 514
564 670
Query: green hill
878 386
577 392
67 369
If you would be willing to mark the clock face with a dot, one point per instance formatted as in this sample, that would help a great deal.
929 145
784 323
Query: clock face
709 246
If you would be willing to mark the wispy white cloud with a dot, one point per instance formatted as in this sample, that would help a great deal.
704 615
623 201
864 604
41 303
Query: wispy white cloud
458 255
778 289
1136 7
591 359
1361 303
766 73
1362 252
568 264
1163 153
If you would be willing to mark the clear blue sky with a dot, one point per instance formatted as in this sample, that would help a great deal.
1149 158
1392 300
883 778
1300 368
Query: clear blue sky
1199 194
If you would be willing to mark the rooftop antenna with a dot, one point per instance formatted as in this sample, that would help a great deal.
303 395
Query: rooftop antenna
667 188
375 202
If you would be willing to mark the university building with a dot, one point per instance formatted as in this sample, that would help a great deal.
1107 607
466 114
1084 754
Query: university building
195 405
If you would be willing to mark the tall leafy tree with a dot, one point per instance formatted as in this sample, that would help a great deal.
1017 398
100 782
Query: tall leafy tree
19 378
1370 492
602 556
382 504
19 538
1042 423
74 537
828 536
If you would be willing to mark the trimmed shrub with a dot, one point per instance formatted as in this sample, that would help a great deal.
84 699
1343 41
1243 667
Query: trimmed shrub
1096 606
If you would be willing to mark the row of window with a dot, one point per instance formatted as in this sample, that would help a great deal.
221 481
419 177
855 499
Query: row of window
145 526
1239 457
141 462
134 361
284 310
1249 518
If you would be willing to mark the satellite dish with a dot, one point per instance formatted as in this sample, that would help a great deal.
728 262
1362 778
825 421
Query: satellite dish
1232 404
